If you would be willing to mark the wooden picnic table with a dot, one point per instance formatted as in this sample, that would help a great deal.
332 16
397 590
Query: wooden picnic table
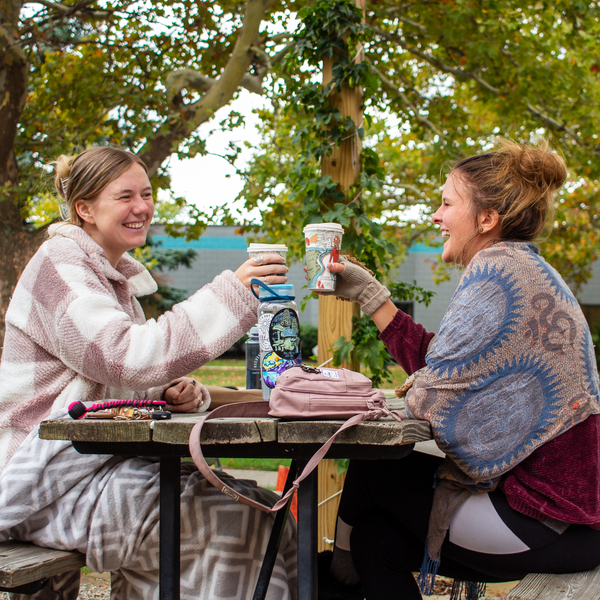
239 438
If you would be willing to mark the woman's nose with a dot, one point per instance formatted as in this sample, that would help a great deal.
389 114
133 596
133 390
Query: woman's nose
437 217
140 205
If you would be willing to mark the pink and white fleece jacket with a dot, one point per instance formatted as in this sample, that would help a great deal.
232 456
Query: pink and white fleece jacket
76 331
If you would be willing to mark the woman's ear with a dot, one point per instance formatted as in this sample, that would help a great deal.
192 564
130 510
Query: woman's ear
83 210
489 221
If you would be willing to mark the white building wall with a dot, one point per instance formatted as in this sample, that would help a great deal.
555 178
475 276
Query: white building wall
590 292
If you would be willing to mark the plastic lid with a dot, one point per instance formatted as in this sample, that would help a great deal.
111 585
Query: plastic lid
253 331
325 226
285 290
267 248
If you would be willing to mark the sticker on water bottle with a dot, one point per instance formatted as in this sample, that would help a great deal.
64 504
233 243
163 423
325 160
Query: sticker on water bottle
264 321
273 366
284 334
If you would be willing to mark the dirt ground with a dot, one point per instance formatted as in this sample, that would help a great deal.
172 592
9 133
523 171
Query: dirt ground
96 586
494 591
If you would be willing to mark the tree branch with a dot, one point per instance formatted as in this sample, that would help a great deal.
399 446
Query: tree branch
418 26
543 117
280 37
464 75
406 101
189 78
279 56
67 11
553 124
11 45
52 5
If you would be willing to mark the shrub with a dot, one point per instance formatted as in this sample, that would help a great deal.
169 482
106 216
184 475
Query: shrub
308 339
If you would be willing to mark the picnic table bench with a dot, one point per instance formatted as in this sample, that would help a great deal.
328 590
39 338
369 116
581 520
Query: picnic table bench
25 568
568 586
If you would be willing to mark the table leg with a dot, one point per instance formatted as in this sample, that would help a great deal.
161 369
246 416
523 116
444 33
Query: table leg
307 535
168 577
264 577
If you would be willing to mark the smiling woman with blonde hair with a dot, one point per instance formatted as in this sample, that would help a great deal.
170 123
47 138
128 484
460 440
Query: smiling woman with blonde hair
509 385
75 331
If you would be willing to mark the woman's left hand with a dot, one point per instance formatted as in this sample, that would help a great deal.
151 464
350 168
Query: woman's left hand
184 396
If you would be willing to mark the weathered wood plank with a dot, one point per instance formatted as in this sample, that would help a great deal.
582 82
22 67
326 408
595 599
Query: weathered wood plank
96 430
220 431
382 433
386 432
22 563
568 586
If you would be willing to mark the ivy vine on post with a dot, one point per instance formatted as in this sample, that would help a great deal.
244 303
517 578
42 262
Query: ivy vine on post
333 31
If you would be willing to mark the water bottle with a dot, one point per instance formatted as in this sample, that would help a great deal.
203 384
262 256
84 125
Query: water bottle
253 361
278 332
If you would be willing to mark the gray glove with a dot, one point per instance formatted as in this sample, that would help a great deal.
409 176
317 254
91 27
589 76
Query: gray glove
357 284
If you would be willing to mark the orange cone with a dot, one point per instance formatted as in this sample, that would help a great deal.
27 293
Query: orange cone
282 474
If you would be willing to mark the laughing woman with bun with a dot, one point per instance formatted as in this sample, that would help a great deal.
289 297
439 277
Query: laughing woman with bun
75 331
509 385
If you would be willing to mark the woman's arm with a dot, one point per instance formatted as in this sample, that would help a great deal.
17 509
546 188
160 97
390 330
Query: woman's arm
405 340
99 331
384 315
100 339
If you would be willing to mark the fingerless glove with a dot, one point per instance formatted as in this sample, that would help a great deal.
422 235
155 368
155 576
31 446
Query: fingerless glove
357 284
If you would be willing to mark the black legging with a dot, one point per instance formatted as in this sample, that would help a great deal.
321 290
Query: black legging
388 504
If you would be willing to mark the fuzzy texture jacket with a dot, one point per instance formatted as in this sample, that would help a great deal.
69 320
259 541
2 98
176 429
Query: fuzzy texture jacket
76 331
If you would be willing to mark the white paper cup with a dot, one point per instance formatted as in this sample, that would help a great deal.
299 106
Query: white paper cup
323 244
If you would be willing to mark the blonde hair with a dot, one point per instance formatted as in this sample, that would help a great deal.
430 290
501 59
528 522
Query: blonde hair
518 181
84 176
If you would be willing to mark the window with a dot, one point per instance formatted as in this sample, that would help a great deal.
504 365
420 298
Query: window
407 307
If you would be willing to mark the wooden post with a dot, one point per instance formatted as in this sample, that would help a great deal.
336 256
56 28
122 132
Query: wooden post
335 316
343 166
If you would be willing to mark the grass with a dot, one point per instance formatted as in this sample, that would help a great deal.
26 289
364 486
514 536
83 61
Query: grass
260 464
398 377
223 371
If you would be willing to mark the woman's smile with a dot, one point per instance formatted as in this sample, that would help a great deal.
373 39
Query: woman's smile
137 225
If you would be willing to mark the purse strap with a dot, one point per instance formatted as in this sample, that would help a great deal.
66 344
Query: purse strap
258 410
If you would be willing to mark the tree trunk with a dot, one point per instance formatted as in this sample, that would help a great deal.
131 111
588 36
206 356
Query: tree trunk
14 240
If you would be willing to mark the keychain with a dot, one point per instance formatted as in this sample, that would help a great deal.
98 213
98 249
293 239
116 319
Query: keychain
121 410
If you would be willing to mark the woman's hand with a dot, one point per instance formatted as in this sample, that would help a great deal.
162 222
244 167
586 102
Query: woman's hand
184 396
271 270
356 283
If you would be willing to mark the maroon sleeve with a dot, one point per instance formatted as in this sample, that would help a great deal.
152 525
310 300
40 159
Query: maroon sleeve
406 341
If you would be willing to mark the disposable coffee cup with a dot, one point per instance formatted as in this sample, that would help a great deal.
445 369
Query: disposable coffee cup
323 245
259 251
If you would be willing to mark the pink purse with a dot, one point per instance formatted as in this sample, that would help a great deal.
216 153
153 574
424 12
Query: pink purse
302 392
